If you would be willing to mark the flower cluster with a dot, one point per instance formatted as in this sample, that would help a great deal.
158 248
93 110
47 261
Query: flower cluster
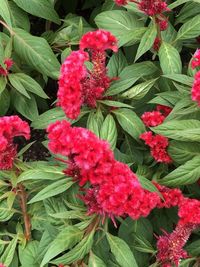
196 88
196 59
9 128
77 85
170 246
8 64
114 189
155 118
170 197
158 145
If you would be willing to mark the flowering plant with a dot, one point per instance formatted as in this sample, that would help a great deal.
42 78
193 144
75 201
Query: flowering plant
109 93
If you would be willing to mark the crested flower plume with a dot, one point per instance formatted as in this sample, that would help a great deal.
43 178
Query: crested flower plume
10 127
77 84
114 189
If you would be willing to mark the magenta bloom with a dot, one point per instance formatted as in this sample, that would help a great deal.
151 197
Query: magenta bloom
77 85
196 59
196 88
8 63
152 119
114 190
9 128
158 145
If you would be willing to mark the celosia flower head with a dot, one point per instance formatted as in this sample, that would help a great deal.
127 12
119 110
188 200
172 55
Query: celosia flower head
165 110
79 86
158 145
8 64
189 212
99 40
114 189
152 119
10 127
196 88
196 59
153 7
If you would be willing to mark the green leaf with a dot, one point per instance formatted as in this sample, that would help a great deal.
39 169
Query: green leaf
66 239
140 90
18 85
43 9
23 82
9 252
48 173
181 78
36 52
146 41
2 84
5 212
26 107
4 102
53 189
92 124
118 22
95 261
170 59
146 184
109 131
5 12
78 252
130 75
183 130
130 122
188 173
29 255
116 64
112 104
121 251
48 117
190 29
181 152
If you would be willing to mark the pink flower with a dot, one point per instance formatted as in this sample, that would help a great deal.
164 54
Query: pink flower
196 59
113 189
158 145
170 246
171 197
121 2
8 63
156 44
99 40
189 212
9 128
196 88
153 7
164 110
77 85
2 265
152 119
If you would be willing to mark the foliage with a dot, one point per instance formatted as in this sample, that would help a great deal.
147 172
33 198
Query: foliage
44 218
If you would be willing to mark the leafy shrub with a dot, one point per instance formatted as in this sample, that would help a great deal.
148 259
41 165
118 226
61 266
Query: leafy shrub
113 86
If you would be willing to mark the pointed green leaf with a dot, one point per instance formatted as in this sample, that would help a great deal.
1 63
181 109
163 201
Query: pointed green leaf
109 131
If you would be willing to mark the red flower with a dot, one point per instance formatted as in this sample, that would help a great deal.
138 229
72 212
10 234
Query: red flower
171 197
121 2
196 59
114 189
9 128
170 246
196 88
2 265
77 85
152 119
99 40
153 7
158 145
164 110
157 43
189 212
8 63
